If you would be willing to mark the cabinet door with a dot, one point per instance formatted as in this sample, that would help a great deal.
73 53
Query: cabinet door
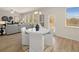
75 46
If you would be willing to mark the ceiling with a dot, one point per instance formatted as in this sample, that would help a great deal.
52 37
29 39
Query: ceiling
21 9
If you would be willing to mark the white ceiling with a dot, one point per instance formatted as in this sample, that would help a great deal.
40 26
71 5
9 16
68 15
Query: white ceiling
21 9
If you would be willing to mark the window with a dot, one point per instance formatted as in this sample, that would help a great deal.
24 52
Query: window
72 16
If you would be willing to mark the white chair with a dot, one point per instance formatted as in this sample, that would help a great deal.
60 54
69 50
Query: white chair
36 42
25 36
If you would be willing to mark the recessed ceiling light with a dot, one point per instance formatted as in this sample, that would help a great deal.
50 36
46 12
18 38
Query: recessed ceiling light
40 12
36 12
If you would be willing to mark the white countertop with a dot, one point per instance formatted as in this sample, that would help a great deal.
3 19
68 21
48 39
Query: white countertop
41 30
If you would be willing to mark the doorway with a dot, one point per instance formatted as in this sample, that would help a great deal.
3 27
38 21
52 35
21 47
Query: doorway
52 23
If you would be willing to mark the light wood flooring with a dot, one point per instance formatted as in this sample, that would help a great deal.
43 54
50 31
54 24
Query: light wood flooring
12 43
65 45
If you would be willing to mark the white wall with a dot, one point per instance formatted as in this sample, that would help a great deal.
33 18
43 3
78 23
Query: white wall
60 17
7 13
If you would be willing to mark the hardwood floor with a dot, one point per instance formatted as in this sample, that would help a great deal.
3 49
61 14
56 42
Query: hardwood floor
75 46
63 44
66 45
12 43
